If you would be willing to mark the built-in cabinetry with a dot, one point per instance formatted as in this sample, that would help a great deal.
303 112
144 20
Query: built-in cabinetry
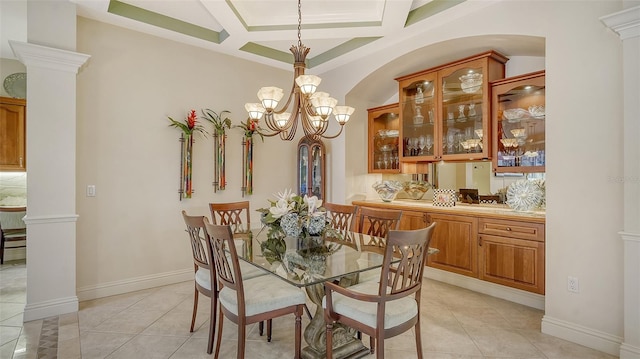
311 168
383 139
445 111
519 123
13 134
503 248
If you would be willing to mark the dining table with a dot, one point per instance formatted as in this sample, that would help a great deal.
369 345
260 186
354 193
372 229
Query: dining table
308 262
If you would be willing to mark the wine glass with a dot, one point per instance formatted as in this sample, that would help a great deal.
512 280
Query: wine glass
422 143
428 141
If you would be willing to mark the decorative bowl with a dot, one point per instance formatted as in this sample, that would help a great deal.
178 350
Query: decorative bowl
416 189
537 111
387 190
515 114
471 83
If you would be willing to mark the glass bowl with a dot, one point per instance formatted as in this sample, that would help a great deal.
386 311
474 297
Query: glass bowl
470 83
416 189
387 190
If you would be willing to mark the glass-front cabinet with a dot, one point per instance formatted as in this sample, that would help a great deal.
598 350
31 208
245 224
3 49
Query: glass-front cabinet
311 168
383 137
518 105
445 111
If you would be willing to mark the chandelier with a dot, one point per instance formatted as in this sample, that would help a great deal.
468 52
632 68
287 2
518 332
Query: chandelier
310 107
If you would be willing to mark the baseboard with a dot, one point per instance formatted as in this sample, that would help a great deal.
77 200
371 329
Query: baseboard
588 337
629 351
133 284
13 254
495 290
50 308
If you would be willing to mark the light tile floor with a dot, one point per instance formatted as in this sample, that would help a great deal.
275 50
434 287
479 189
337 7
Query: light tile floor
154 323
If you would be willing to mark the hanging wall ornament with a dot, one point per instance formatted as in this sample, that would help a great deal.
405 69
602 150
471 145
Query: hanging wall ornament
250 128
220 124
188 128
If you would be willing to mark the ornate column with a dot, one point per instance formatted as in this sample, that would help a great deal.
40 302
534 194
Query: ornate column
626 24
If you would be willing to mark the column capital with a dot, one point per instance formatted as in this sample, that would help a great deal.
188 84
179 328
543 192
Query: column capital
625 23
48 57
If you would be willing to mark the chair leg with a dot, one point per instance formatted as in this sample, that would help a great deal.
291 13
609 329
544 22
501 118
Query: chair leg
418 339
298 340
372 345
195 310
269 330
380 346
329 336
212 323
242 332
219 336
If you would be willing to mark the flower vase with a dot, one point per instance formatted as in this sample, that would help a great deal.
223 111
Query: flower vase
186 188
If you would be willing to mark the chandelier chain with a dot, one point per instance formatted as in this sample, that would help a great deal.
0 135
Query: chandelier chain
299 23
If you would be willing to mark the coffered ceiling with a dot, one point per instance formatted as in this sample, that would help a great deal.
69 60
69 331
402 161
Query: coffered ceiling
258 30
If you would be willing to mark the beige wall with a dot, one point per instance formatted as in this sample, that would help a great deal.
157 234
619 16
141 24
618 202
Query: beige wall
132 231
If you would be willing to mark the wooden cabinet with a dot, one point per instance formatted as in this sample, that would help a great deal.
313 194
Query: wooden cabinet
445 111
413 220
456 238
512 253
12 134
383 129
311 168
519 123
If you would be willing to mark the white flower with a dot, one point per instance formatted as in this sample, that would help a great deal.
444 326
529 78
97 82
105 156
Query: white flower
313 203
287 195
280 208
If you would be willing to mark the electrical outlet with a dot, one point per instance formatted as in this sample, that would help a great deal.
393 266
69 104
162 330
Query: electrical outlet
573 284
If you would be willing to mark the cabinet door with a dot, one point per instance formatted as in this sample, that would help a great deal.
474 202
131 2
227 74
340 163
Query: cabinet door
456 238
465 119
419 118
413 220
513 262
12 135
519 123
384 131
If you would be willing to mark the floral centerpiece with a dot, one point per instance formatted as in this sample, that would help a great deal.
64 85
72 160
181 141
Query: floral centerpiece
291 215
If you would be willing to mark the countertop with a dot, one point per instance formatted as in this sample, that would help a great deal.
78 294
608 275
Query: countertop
501 211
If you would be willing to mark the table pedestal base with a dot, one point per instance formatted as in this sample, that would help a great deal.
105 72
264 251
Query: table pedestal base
345 344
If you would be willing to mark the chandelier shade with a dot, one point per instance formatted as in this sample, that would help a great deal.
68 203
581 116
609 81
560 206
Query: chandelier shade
309 107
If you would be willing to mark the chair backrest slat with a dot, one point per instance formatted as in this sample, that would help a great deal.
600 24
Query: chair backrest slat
405 275
234 214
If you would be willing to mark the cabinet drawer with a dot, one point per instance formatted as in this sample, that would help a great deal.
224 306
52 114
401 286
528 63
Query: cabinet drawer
512 229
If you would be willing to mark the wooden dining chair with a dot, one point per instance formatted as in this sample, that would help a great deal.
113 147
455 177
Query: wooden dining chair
378 222
13 229
341 216
205 275
253 300
388 308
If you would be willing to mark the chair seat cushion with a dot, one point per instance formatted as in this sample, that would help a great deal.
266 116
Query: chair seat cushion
396 311
248 271
262 295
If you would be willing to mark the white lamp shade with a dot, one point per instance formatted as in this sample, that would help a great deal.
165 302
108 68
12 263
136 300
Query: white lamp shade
281 119
343 113
323 104
255 110
308 83
270 96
